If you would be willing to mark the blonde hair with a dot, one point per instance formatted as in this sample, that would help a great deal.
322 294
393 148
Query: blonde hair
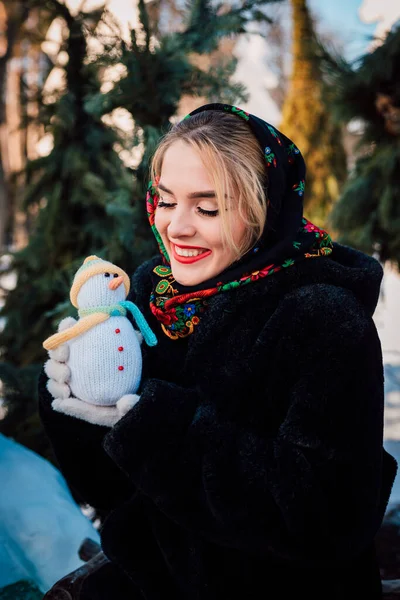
234 159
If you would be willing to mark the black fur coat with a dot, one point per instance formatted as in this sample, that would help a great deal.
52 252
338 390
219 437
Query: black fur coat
252 466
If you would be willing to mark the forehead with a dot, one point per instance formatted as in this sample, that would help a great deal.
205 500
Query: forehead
182 164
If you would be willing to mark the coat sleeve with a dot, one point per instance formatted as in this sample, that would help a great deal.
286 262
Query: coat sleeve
90 473
312 491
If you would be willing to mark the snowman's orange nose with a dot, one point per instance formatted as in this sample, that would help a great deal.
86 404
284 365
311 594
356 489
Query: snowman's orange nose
115 282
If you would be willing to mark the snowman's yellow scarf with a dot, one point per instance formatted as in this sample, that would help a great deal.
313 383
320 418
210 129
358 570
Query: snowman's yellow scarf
90 317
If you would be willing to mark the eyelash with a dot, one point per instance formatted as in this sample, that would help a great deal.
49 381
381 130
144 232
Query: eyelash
202 211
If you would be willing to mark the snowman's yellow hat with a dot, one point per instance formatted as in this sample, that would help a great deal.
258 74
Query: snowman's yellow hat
93 265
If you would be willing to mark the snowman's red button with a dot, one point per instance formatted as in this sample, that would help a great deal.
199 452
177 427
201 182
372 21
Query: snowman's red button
117 331
120 368
120 348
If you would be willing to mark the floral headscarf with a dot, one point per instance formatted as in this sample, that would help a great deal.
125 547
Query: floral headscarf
287 237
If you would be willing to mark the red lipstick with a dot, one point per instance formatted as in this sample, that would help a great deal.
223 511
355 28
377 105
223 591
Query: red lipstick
187 260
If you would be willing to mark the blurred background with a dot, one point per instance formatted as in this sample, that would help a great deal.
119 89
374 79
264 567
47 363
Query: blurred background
86 90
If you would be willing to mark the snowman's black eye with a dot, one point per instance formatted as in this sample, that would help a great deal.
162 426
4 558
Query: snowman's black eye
106 274
115 274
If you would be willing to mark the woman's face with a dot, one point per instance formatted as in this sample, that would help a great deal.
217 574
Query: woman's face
187 218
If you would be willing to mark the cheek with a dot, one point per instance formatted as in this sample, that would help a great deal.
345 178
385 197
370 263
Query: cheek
239 229
212 233
161 221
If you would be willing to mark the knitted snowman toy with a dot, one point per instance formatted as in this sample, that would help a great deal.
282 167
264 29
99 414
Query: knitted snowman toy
101 349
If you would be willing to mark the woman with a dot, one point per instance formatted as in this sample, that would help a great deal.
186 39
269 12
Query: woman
252 465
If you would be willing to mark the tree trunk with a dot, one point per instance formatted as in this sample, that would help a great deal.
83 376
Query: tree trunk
306 119
13 15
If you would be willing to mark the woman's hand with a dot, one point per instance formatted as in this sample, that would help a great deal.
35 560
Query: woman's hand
59 374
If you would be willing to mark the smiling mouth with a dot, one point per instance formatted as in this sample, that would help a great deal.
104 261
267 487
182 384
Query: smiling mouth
189 255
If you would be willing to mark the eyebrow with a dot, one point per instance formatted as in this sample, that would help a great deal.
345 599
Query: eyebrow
192 195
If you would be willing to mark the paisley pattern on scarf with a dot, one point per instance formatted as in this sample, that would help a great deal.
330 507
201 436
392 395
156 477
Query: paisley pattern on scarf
179 309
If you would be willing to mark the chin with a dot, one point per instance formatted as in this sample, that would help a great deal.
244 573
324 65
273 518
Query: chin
188 279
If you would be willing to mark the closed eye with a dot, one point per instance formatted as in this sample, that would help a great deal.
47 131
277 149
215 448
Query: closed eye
200 210
207 213
163 204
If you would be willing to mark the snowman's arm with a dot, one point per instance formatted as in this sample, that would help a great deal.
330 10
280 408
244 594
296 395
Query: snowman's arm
139 336
131 297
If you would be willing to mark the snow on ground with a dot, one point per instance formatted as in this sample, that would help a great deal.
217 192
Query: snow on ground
41 526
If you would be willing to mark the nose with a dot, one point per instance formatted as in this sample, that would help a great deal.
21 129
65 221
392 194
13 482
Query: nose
115 282
181 224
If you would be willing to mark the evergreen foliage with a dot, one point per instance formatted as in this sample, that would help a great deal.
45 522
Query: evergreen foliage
161 70
306 119
87 201
367 215
82 193
207 23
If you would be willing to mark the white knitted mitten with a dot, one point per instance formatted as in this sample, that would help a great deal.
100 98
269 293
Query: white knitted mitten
56 368
59 375
94 413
